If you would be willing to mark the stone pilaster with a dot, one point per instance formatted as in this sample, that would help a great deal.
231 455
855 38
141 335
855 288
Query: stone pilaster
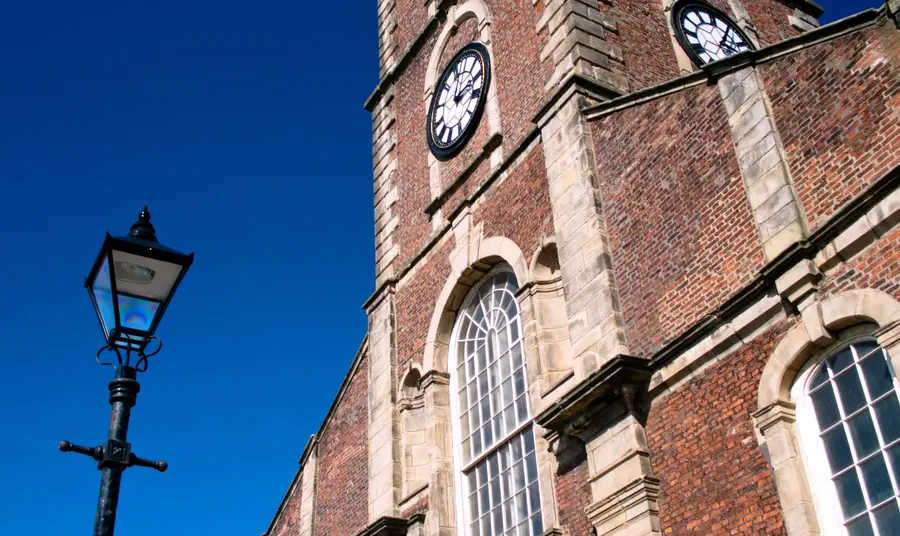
384 141
308 490
385 462
596 324
776 209
578 44
441 519
775 428
624 490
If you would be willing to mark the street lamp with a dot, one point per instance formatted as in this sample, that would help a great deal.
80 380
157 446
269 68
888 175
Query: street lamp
131 284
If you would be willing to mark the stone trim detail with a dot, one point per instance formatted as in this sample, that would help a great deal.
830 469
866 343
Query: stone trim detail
385 462
776 209
743 20
387 43
577 43
384 142
308 489
775 418
623 487
596 322
803 21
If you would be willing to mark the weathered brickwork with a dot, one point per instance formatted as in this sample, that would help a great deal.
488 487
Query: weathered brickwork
877 267
288 524
771 20
714 479
343 478
412 17
648 57
837 108
681 231
573 493
415 305
412 156
519 206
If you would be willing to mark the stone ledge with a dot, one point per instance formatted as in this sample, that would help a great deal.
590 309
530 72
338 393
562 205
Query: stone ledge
492 143
601 387
391 526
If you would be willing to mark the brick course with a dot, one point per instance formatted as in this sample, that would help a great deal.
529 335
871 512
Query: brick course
573 494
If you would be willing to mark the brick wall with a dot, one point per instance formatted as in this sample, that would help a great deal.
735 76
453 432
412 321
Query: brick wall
519 206
837 108
415 304
878 267
289 522
714 479
680 226
342 481
573 495
648 56
770 18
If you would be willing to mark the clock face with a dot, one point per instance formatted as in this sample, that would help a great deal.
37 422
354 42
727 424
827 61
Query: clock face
706 34
458 100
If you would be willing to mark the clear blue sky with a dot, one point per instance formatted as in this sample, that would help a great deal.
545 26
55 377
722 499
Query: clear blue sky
241 126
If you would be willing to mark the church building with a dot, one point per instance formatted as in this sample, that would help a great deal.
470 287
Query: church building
637 274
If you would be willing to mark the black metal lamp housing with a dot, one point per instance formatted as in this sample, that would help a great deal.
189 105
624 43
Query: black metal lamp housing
132 282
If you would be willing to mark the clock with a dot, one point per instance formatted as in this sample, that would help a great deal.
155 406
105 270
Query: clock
458 100
706 33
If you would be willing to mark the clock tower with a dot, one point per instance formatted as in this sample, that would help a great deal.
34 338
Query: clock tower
634 276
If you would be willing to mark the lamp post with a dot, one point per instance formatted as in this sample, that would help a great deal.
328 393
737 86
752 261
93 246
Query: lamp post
131 284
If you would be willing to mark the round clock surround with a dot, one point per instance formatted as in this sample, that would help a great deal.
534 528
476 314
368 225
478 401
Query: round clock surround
458 101
707 34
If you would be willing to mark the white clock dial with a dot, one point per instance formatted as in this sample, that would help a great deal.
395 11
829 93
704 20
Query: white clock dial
458 99
707 34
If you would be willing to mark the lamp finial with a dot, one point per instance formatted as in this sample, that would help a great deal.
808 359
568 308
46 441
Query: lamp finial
143 228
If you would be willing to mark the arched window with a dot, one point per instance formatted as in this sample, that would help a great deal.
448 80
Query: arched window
497 478
848 415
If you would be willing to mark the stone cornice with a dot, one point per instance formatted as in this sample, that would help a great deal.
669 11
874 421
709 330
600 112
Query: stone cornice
807 6
711 72
603 387
391 526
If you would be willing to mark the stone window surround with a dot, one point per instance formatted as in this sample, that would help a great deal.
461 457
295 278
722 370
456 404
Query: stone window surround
472 259
775 420
461 469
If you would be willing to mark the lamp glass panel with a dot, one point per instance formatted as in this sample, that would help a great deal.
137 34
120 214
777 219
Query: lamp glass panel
102 293
144 277
137 313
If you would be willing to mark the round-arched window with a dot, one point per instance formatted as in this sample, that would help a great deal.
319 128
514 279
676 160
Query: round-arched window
498 491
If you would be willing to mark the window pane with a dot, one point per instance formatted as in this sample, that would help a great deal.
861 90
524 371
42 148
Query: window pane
865 348
863 433
888 413
878 378
888 518
826 407
894 456
860 527
820 377
537 526
878 483
838 449
850 494
841 361
850 390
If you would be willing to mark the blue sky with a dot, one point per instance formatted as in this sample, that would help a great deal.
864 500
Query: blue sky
241 126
